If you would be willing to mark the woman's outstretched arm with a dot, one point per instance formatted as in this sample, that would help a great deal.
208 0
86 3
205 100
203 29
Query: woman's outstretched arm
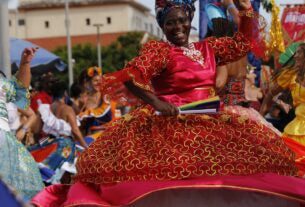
24 73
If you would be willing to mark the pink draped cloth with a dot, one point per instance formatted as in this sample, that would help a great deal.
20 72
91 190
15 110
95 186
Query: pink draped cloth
125 193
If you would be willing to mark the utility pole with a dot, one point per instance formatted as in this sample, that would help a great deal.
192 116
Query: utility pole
98 44
67 24
5 63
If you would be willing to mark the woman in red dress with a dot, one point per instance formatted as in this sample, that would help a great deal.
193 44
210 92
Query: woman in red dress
142 152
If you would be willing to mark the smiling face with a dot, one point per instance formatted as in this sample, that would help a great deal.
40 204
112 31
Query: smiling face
176 27
95 82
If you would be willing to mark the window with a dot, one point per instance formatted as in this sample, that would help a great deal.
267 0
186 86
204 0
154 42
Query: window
46 24
88 21
146 26
108 20
21 22
9 22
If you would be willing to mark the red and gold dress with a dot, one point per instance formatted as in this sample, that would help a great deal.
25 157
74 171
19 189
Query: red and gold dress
145 146
143 153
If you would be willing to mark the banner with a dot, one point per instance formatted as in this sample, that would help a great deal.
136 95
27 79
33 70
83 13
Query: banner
293 22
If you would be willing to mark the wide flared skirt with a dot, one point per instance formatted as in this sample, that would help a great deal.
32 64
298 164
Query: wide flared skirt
143 153
142 146
17 167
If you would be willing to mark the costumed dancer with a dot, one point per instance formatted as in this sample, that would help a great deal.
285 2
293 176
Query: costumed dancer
180 157
292 78
17 167
97 110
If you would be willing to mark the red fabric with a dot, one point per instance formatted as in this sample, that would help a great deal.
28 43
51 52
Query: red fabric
143 146
43 97
299 149
40 155
122 96
53 196
150 62
185 80
234 92
253 26
123 194
165 70
227 49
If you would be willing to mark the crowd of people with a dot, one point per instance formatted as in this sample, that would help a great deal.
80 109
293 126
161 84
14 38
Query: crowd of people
146 158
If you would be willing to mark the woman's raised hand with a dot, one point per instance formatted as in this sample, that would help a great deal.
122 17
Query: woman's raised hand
27 55
165 108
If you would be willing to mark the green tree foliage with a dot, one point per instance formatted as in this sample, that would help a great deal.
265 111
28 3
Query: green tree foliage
114 56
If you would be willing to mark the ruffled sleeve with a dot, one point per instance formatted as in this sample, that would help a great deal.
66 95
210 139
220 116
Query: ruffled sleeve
18 94
229 49
151 61
253 27
286 78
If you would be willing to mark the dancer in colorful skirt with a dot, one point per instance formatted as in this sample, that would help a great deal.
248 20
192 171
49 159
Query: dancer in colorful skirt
97 110
17 167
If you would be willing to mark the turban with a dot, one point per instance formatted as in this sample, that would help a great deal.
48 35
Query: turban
164 6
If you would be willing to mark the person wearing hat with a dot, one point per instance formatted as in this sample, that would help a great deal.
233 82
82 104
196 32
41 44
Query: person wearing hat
155 156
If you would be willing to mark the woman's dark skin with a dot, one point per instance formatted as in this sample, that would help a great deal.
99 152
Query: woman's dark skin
176 27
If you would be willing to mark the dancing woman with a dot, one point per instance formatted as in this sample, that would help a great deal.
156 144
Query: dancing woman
96 111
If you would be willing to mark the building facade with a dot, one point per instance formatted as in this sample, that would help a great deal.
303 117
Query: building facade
44 22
